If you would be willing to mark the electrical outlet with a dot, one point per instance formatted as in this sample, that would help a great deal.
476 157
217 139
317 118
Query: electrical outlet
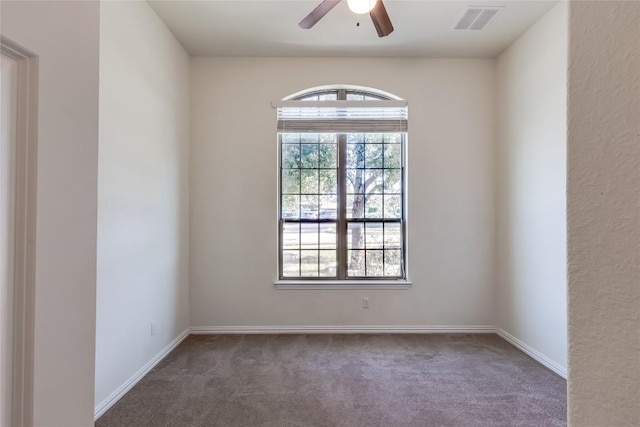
365 302
154 328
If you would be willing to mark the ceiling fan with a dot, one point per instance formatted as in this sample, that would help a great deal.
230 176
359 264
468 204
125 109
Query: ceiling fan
375 8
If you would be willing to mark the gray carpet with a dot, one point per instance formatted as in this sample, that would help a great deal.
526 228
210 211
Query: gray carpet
344 380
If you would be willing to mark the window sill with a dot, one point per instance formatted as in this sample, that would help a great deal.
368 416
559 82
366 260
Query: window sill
343 285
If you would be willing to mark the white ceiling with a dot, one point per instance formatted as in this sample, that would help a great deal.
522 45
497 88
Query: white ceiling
270 28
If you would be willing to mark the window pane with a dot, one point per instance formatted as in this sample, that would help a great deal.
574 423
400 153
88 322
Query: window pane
290 207
374 235
290 181
355 138
309 155
291 156
290 138
393 138
331 96
392 236
290 263
327 236
355 181
291 236
375 266
392 156
392 263
309 236
355 206
309 207
392 181
355 97
374 138
392 206
356 263
327 155
373 156
328 207
355 235
309 181
328 138
309 263
355 155
328 181
373 207
373 181
328 263
309 138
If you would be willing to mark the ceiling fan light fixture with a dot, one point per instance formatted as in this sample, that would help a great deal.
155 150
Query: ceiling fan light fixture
361 6
375 9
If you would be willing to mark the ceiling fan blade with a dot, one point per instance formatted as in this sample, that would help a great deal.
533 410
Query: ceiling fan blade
381 20
318 13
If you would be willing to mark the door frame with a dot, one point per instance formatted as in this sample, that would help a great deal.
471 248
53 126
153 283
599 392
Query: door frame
25 230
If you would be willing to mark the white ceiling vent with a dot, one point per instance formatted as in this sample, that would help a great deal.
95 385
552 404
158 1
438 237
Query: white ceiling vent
476 18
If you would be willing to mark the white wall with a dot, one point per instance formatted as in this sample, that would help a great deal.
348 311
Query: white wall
531 203
234 192
142 192
65 37
604 214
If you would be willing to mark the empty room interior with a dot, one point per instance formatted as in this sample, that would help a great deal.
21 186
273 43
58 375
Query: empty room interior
298 213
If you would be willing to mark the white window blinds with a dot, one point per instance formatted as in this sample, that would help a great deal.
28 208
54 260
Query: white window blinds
341 116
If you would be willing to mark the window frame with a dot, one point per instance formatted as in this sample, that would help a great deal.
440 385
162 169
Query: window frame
342 279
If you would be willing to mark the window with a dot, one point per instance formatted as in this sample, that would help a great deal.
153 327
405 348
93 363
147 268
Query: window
342 187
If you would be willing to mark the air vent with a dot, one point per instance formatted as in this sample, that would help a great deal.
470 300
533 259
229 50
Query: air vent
476 18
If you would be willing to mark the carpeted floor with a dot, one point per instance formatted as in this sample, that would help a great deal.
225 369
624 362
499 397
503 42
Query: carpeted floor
344 380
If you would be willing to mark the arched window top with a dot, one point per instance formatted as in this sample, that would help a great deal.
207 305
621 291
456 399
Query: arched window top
342 92
345 109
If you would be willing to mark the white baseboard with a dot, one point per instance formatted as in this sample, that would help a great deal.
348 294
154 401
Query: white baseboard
124 388
560 370
335 329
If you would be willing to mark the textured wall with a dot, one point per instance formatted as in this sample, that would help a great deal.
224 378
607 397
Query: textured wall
531 210
604 214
